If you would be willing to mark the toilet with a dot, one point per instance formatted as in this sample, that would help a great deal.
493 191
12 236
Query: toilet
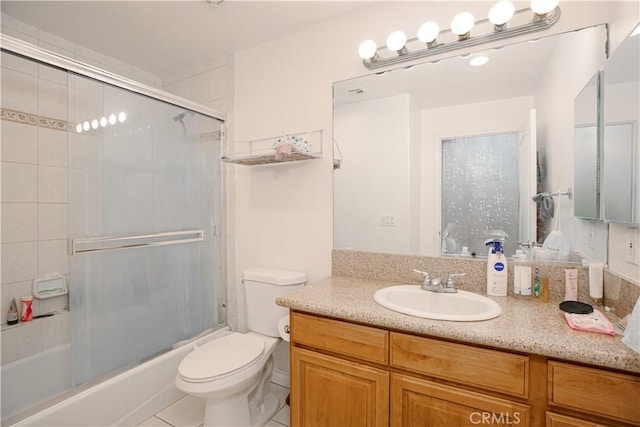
233 373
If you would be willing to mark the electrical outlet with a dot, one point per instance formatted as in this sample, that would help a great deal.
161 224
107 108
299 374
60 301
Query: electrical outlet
388 220
632 252
592 233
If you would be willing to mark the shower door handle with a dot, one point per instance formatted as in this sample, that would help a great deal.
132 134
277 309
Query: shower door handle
112 243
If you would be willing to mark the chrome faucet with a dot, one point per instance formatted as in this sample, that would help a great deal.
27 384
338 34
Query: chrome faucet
429 284
435 285
426 280
450 287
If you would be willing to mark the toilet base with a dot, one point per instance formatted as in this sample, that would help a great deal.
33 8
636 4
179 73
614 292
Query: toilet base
234 411
260 416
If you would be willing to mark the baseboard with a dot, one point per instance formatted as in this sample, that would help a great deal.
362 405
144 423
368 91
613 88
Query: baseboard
280 377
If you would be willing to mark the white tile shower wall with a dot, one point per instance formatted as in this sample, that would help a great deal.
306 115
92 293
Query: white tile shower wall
210 83
34 189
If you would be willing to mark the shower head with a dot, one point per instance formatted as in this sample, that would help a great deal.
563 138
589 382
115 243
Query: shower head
180 118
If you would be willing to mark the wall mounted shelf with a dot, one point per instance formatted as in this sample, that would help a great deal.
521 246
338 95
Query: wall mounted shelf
279 149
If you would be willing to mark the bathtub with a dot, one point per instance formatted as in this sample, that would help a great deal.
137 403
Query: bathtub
126 399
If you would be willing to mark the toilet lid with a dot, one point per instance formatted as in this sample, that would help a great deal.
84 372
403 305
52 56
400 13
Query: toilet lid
221 357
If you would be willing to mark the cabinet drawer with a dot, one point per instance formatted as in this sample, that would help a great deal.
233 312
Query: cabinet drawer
594 391
557 420
488 369
361 342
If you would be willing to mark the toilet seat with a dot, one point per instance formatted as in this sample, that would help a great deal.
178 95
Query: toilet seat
221 358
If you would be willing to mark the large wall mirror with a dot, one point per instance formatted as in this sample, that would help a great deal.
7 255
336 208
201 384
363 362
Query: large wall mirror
438 157
621 172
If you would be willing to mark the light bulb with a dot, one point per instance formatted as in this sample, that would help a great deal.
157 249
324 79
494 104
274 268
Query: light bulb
462 23
86 126
501 12
113 119
122 116
103 121
635 32
396 41
479 60
367 49
542 7
94 123
79 127
428 32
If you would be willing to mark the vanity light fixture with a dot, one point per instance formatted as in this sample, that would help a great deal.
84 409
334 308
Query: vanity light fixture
428 33
462 24
542 7
102 122
500 13
545 14
397 41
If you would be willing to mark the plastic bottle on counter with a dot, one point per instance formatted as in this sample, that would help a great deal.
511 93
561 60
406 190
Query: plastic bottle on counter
521 274
541 283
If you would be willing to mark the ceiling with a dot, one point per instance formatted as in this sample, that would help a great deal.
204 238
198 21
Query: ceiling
163 37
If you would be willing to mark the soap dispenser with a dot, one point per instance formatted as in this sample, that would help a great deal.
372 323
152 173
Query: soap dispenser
496 269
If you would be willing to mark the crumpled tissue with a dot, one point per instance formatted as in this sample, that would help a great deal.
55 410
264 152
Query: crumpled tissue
632 331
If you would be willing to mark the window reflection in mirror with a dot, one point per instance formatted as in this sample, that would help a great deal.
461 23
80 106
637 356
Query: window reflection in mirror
480 192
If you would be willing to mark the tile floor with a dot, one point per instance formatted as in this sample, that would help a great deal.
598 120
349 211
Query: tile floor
189 412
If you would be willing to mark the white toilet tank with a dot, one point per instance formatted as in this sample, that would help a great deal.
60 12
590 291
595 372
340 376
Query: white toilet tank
262 287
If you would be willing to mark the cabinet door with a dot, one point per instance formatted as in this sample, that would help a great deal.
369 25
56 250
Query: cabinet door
420 403
331 392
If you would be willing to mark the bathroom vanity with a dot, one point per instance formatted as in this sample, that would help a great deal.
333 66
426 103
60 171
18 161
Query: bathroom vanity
354 362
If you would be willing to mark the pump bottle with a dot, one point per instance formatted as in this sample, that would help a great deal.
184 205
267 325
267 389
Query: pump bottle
496 269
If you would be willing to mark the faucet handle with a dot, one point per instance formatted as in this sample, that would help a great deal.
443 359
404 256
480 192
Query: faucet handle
451 280
426 279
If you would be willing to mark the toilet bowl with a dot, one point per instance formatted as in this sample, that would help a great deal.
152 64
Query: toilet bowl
233 373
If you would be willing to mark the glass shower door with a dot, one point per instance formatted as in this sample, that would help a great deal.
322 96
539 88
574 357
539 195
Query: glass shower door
143 195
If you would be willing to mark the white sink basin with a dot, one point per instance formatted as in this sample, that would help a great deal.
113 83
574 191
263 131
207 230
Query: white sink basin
462 306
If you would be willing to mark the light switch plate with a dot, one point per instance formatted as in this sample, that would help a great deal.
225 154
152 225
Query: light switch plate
387 220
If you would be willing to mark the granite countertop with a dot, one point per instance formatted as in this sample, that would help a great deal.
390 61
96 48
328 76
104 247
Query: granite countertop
525 326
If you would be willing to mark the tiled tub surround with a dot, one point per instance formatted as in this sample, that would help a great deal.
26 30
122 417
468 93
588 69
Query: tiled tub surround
34 181
525 325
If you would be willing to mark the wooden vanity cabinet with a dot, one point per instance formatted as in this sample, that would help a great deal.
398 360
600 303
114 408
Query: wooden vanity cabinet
349 375
338 373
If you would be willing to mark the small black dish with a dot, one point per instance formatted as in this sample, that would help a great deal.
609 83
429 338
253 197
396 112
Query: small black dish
576 307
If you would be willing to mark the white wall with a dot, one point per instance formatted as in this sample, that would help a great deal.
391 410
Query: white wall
384 124
499 116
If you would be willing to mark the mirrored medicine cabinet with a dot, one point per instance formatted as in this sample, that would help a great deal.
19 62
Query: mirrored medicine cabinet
587 138
621 149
